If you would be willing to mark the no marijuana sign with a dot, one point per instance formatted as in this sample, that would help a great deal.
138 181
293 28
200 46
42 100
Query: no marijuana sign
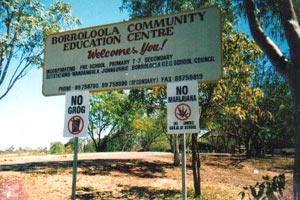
183 107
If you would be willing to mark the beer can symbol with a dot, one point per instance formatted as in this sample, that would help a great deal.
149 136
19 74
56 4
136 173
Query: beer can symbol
76 124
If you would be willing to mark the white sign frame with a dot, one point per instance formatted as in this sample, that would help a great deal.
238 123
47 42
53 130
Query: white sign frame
183 107
135 54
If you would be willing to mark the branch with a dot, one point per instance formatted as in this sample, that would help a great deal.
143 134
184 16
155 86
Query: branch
13 79
16 72
7 23
291 29
10 44
8 58
263 41
19 73
5 48
91 133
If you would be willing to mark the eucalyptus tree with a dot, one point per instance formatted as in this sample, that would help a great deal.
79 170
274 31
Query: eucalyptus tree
24 25
278 101
280 16
234 110
110 113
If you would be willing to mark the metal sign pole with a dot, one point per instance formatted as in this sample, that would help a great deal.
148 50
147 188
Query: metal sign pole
184 192
75 168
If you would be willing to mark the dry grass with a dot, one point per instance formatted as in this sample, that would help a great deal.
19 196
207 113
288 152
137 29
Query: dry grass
135 176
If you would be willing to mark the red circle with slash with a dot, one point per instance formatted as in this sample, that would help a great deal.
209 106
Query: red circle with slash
183 111
75 125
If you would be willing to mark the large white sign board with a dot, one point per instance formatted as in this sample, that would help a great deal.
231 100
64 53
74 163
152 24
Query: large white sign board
77 114
134 54
183 107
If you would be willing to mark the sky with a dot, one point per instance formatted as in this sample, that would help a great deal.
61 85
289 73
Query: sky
27 118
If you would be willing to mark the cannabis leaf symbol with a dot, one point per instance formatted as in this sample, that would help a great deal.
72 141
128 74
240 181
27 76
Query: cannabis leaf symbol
182 112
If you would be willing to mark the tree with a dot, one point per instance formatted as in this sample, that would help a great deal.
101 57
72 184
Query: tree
69 146
227 106
10 149
110 113
24 25
57 148
152 100
278 101
148 129
287 66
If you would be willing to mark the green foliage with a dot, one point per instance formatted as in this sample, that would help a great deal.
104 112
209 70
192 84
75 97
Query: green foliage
110 114
277 100
57 148
161 144
69 146
267 189
148 130
89 146
24 25
230 108
126 121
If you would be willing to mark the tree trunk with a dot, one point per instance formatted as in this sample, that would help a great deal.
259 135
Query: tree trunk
176 150
226 141
257 147
289 69
196 166
98 148
294 80
248 148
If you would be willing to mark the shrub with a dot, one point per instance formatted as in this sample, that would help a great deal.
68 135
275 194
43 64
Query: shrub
268 189
57 148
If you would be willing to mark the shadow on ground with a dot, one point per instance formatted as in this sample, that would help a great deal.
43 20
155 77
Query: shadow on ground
276 164
132 167
142 169
128 193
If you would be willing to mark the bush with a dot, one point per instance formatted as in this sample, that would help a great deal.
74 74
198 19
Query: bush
268 189
57 148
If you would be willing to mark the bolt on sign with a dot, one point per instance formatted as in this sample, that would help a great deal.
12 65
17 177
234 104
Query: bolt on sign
77 114
135 54
183 107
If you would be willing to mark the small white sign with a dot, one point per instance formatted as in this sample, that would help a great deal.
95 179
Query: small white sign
77 114
183 107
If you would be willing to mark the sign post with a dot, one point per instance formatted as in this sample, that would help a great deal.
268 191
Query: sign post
75 158
183 166
183 116
76 124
